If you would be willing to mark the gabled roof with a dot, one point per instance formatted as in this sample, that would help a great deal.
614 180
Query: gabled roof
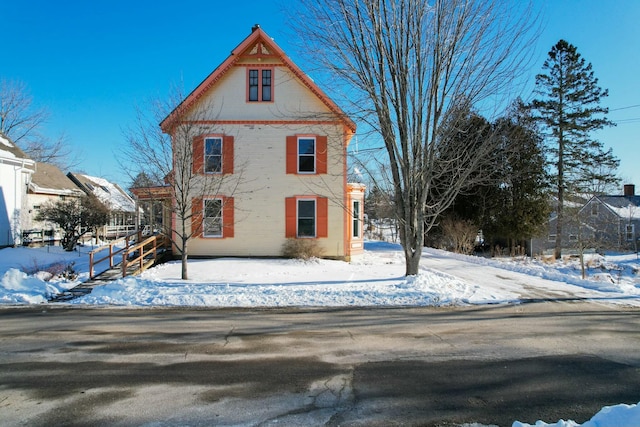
110 194
626 207
257 36
48 179
9 150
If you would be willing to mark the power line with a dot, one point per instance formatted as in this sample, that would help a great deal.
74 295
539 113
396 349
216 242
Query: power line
625 108
631 120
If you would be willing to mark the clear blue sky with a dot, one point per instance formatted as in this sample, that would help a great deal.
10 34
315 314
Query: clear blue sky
91 62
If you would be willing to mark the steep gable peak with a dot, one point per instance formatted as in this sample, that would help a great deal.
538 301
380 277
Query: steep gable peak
257 48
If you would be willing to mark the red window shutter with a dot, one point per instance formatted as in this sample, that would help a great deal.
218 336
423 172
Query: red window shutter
322 221
198 154
292 154
321 154
196 216
227 217
290 217
227 155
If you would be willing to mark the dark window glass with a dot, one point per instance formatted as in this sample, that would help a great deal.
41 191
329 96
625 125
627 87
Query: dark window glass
356 218
306 155
266 85
213 155
306 218
253 85
212 217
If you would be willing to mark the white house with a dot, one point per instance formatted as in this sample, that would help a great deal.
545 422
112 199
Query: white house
15 174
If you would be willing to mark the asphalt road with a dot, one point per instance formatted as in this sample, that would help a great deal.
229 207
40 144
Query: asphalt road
314 367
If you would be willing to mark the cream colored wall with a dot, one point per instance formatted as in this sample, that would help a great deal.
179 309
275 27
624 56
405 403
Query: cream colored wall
260 171
260 183
292 100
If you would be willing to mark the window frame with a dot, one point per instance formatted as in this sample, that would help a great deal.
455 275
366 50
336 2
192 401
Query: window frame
314 155
356 222
260 84
314 218
206 156
220 217
629 232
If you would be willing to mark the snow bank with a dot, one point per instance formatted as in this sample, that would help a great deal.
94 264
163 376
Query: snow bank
610 416
18 287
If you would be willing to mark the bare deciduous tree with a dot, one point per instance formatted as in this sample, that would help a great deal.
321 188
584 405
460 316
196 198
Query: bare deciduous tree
413 67
167 155
22 122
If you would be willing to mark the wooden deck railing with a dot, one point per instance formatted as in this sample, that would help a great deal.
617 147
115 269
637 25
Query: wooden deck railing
142 255
148 253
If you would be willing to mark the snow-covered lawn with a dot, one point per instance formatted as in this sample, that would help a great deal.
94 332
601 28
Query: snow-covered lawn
375 279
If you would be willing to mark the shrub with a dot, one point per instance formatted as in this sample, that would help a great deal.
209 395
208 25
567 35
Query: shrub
460 235
48 272
301 249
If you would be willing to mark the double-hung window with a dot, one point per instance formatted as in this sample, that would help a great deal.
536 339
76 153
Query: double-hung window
260 85
356 228
306 155
213 155
306 218
629 232
212 221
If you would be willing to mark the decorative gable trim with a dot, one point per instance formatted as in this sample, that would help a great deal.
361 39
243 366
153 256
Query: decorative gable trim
263 45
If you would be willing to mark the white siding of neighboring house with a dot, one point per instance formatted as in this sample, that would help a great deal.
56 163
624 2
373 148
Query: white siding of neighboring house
14 177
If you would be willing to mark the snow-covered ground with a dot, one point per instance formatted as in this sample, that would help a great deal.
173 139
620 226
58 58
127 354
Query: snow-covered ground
375 279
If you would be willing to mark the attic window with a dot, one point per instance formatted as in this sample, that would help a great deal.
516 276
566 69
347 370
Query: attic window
104 188
260 85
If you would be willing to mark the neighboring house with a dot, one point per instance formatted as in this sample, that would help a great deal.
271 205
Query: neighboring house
123 208
615 220
280 143
48 185
15 173
605 222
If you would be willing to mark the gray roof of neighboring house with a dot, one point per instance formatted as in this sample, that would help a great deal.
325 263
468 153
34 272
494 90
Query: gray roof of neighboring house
114 197
9 149
49 179
623 206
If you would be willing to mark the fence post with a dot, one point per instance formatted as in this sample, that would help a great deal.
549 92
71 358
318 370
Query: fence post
91 265
155 249
125 255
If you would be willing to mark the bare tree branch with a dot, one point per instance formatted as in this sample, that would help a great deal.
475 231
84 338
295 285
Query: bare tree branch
415 69
23 123
168 159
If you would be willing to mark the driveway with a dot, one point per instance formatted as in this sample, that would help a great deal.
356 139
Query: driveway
72 366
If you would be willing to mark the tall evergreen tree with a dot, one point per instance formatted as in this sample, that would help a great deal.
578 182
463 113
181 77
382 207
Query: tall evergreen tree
512 205
521 205
568 111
